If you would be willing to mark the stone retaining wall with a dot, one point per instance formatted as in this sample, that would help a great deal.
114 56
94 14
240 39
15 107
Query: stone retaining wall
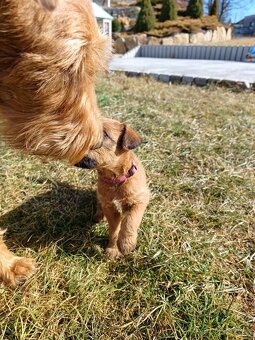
123 45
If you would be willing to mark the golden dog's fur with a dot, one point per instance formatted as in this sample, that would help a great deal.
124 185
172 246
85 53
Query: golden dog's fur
122 204
50 52
13 269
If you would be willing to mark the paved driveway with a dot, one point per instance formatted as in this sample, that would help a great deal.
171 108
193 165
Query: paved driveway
189 68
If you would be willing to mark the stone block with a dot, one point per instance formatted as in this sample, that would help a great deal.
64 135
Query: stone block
187 80
131 42
221 33
229 33
167 41
181 38
197 38
175 79
153 41
208 35
164 78
214 35
119 46
133 74
200 81
142 39
154 76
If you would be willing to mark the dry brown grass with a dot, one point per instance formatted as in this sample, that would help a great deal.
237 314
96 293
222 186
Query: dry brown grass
191 276
246 41
185 25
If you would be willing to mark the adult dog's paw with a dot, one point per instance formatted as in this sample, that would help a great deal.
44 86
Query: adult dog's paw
18 271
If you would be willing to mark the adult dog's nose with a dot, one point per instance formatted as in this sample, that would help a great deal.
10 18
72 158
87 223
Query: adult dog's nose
86 163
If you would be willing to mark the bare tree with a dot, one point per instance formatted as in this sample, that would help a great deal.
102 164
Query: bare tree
227 6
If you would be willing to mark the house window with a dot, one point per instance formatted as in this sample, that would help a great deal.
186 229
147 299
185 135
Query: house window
106 27
100 25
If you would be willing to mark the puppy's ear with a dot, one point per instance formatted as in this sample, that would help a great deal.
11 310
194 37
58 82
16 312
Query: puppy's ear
129 139
50 5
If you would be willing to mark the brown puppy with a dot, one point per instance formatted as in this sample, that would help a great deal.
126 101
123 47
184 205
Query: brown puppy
50 51
122 191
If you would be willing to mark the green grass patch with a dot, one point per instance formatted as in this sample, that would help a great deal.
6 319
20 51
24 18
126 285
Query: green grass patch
191 276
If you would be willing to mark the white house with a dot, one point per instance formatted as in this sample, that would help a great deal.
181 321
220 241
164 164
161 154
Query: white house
104 19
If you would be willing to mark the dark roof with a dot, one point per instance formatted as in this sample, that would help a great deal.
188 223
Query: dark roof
247 20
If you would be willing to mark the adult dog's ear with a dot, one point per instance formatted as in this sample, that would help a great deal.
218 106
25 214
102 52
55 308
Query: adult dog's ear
129 139
50 5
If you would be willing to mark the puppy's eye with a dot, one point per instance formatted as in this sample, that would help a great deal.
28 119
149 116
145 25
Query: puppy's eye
106 135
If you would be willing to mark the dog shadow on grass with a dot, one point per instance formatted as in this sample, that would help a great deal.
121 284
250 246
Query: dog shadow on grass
62 216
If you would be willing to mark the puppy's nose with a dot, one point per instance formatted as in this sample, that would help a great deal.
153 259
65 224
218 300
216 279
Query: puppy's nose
86 163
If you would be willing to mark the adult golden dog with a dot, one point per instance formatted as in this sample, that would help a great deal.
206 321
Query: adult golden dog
50 51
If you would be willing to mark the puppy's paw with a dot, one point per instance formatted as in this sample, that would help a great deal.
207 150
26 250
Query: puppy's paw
113 253
21 269
126 245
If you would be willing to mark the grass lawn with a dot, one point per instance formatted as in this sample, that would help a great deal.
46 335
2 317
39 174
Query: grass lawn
191 276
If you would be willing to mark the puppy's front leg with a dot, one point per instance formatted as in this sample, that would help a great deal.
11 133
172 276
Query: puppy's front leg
99 215
128 231
114 218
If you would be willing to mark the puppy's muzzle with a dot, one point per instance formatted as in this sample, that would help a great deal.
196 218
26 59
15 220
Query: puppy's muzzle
86 163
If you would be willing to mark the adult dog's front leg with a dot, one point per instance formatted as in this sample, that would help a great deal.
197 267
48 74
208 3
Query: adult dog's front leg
127 238
14 270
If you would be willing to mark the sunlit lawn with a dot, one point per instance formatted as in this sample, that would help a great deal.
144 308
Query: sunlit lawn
191 276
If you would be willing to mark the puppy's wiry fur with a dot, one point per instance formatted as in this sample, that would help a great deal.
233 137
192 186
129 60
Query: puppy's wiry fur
122 204
50 51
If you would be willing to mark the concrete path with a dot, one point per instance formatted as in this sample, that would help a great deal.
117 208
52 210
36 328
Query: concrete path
190 71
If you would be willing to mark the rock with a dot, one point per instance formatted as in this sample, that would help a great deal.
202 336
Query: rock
131 42
153 41
119 46
167 41
208 35
221 33
181 38
142 39
197 38
154 76
175 79
229 33
187 80
164 78
215 35
200 81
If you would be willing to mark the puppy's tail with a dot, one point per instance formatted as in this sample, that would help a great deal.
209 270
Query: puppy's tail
50 5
